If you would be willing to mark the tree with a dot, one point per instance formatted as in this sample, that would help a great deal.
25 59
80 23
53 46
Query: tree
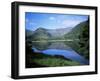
84 41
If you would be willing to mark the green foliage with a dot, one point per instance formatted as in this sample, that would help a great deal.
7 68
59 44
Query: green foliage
43 60
84 41
53 61
81 45
40 34
80 32
75 32
74 45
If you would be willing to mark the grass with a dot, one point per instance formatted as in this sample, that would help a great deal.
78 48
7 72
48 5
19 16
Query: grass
53 62
42 60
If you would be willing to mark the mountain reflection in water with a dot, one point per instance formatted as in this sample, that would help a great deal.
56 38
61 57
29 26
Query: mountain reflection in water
58 48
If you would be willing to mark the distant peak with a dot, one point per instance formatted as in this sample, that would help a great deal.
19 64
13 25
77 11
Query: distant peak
40 28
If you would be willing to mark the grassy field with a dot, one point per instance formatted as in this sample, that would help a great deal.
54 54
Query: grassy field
34 60
52 61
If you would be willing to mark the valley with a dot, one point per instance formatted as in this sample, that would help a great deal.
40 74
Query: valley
69 45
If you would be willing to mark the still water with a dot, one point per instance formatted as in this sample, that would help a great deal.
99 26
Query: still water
58 48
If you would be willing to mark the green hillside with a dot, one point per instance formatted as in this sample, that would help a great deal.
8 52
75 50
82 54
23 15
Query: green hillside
42 60
84 41
40 34
80 32
75 32
28 33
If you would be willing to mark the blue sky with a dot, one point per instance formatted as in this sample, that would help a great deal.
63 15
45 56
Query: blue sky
52 21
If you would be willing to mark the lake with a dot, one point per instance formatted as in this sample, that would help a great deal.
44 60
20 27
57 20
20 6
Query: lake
59 48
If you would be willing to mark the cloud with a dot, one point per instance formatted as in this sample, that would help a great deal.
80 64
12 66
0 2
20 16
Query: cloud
70 23
52 18
32 23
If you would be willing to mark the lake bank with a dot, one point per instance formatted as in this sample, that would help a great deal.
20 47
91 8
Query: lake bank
55 40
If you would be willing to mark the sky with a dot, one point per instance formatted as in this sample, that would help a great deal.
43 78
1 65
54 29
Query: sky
52 20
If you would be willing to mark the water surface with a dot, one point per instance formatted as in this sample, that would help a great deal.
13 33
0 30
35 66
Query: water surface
59 48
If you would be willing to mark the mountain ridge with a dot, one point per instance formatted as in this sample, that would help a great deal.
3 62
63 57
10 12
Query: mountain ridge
69 32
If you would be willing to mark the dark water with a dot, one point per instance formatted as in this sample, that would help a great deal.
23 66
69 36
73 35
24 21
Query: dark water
58 48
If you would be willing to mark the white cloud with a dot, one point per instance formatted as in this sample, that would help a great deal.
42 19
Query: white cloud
70 23
52 18
32 23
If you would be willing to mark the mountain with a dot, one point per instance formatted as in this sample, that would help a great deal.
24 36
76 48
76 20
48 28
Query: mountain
59 32
40 33
67 33
28 33
75 32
